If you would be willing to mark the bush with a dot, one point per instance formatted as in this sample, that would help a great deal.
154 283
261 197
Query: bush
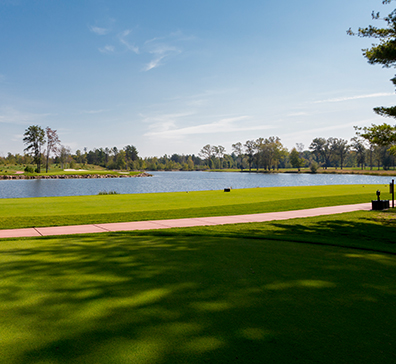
29 169
314 167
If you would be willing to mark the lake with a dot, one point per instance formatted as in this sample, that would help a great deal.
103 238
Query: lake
175 182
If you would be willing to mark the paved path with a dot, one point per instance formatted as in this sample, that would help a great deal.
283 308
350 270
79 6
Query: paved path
166 224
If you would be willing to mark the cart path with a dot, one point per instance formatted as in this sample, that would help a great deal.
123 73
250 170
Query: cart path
189 222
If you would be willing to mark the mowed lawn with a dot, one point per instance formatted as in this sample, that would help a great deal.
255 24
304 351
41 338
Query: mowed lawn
76 210
315 290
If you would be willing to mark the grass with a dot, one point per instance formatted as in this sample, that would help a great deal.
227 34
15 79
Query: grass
297 291
74 210
329 170
55 170
88 172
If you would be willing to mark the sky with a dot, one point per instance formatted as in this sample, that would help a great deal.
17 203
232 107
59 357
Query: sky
170 76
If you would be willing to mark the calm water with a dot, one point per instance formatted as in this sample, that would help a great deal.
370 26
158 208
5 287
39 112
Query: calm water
174 182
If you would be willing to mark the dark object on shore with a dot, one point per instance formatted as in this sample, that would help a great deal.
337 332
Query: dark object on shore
227 190
379 204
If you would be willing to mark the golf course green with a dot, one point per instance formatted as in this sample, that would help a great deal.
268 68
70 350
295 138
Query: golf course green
79 210
312 290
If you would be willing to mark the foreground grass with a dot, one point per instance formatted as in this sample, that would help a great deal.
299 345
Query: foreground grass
249 293
74 210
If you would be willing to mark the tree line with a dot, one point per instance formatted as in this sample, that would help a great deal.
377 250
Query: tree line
374 145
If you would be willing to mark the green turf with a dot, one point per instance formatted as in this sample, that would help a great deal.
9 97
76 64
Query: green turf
230 294
52 211
364 230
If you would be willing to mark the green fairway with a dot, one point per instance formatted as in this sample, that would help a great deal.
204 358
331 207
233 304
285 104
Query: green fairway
52 211
297 291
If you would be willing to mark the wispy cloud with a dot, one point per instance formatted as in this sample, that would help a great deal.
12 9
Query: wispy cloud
107 49
13 116
160 51
153 64
93 111
17 137
225 125
347 98
165 122
164 47
123 40
98 30
298 113
315 132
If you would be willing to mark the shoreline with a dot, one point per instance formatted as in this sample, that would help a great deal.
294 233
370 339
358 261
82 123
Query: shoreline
73 176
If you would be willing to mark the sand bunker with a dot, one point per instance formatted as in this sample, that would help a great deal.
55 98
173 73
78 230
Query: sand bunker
75 170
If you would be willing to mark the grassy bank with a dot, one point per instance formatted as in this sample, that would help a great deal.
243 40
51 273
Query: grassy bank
56 211
329 170
278 292
56 170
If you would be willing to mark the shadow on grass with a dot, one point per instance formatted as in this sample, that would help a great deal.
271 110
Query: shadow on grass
120 298
363 230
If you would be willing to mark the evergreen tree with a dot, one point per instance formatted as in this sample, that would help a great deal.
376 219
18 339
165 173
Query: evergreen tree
34 138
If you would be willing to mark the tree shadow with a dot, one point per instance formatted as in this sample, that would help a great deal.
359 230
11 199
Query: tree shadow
117 298
370 231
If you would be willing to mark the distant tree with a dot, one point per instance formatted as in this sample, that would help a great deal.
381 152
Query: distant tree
250 149
295 159
378 136
106 153
121 160
300 148
270 150
190 163
304 155
207 153
220 151
238 150
278 151
80 158
340 149
259 144
358 146
131 153
64 155
321 148
52 144
10 159
34 138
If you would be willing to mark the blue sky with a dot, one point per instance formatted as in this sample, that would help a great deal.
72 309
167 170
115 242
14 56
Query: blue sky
170 76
